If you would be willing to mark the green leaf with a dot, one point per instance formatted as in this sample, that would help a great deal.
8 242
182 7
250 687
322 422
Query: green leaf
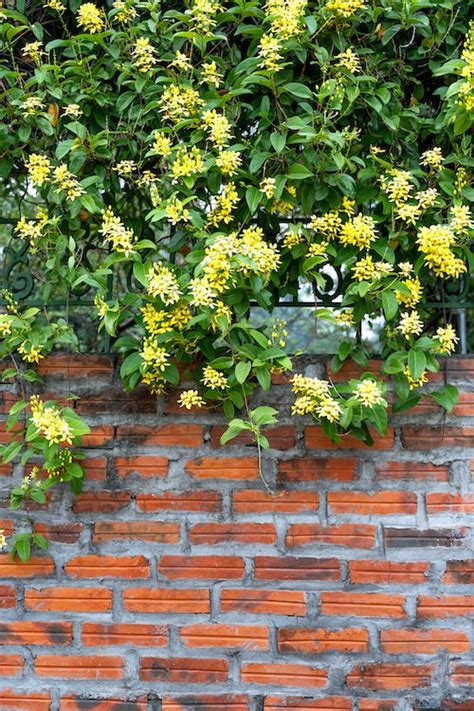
11 450
253 197
447 397
278 141
300 90
298 172
389 304
264 415
242 370
416 363
132 362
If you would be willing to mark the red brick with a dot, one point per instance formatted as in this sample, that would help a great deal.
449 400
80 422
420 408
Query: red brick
449 503
154 531
205 534
270 602
77 366
377 705
80 703
145 467
61 599
207 702
6 526
319 640
292 703
465 405
191 501
362 604
281 437
5 469
7 597
100 436
416 437
156 600
316 439
460 572
98 635
249 637
416 641
95 468
350 370
10 664
78 667
175 567
459 368
172 435
447 606
462 674
309 469
288 568
36 567
390 676
180 670
424 538
25 632
411 471
24 700
381 503
250 501
104 566
101 501
354 535
60 532
240 469
115 400
387 572
301 675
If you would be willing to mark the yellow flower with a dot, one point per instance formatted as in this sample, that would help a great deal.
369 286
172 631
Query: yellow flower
461 219
410 324
426 198
181 62
163 283
143 55
317 249
125 168
408 213
30 353
214 379
176 211
203 15
327 225
217 126
398 187
286 16
67 182
345 317
228 162
292 237
369 393
414 297
39 168
190 398
349 60
154 355
33 50
210 74
447 339
101 306
269 52
435 243
90 18
49 422
121 238
432 159
264 255
187 162
73 110
268 186
125 11
161 145
343 8
412 383
5 325
55 5
359 232
224 205
3 539
202 292
178 103
329 409
365 269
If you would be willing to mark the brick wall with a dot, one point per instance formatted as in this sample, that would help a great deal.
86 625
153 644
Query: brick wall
176 582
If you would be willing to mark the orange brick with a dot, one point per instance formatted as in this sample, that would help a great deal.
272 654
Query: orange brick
98 635
434 437
173 435
350 370
249 501
437 503
310 469
26 632
290 675
25 701
100 436
207 702
380 502
445 606
95 468
60 532
10 665
462 674
154 531
101 501
205 534
249 637
240 469
77 667
319 640
328 703
316 439
288 568
175 567
460 572
104 566
36 567
180 670
77 366
362 604
385 572
387 677
192 501
81 703
162 600
7 597
145 467
415 641
354 535
411 471
377 705
271 602
61 599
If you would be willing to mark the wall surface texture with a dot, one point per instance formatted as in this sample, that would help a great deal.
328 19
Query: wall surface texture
177 582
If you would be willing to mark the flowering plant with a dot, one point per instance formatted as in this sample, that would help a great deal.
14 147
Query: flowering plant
187 160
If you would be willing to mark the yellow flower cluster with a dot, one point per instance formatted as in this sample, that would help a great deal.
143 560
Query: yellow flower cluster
466 90
32 230
202 293
369 393
176 210
34 50
125 168
210 75
153 354
67 182
283 206
327 225
317 249
278 333
39 168
286 16
398 186
162 283
32 105
143 55
228 162
55 5
264 255
120 237
358 231
212 378
426 198
412 383
432 159
161 144
269 52
5 325
224 205
49 422
73 110
345 317
461 219
364 269
292 238
344 8
181 62
349 60
178 103
30 353
190 398
447 339
187 162
414 297
314 398
203 15
90 18
217 126
435 243
268 187
410 324
158 321
126 12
